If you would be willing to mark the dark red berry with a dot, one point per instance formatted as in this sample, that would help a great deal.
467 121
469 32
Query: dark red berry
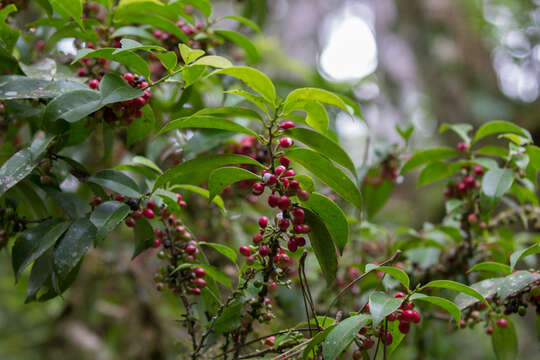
502 323
289 173
291 245
286 142
258 188
96 200
263 221
284 161
399 294
478 170
404 327
119 197
257 238
129 78
190 249
158 232
244 250
287 125
149 213
303 195
284 224
462 146
284 202
157 243
82 72
150 204
386 338
199 282
199 272
94 84
280 170
264 250
273 200
196 291
469 181
130 222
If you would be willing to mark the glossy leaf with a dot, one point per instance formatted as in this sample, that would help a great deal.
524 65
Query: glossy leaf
203 192
215 61
197 170
492 267
322 244
381 305
254 79
518 255
141 127
341 336
21 164
21 87
223 249
68 9
437 171
452 285
127 58
324 145
460 129
222 177
497 127
188 54
449 306
72 247
229 112
252 98
496 182
33 242
397 274
206 122
116 181
168 59
144 236
332 216
534 155
316 340
106 216
301 95
322 168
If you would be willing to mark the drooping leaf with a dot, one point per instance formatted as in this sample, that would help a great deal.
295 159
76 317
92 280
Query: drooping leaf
33 242
461 129
322 168
223 249
381 305
141 127
144 236
520 254
106 216
332 216
449 306
206 122
230 318
453 285
116 181
437 170
397 274
497 127
254 79
492 267
301 95
322 244
218 62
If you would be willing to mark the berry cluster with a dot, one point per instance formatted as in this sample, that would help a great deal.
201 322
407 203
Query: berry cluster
124 112
468 181
388 169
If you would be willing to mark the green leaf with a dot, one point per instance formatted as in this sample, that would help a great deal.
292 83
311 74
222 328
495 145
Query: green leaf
141 160
215 61
243 42
254 79
216 274
33 242
206 122
497 127
168 59
189 55
381 305
449 306
195 171
306 182
40 274
341 336
298 96
21 87
144 236
437 171
397 274
204 6
505 342
492 267
405 133
8 35
138 15
518 255
223 249
107 216
397 337
322 168
133 31
332 216
21 164
141 127
452 285
461 129
496 182
229 112
324 145
222 177
244 21
321 242
72 247
534 155
203 192
116 181
127 58
376 196
252 98
428 156
132 45
75 105
316 116
315 341
69 9
230 319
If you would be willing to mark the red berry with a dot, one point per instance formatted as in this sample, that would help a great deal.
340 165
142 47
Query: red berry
289 173
287 125
284 202
285 183
478 170
502 323
264 250
269 341
96 200
199 282
489 330
137 214
148 213
404 327
82 72
392 317
472 218
190 249
130 222
399 294
447 192
199 272
196 291
386 338
298 215
461 186
462 324
150 204
284 161
407 315
284 224
94 84
469 181
257 238
157 243
306 228
157 34
368 343
284 258
462 146
299 241
303 195
90 45
280 170
294 184
298 228
158 232
258 188
416 317
269 178
273 200
119 197
129 78
182 203
286 142
143 84
263 221
291 245
244 250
